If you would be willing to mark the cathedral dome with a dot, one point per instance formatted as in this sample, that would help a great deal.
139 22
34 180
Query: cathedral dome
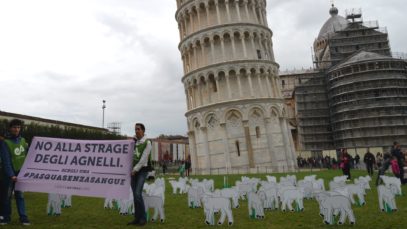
335 23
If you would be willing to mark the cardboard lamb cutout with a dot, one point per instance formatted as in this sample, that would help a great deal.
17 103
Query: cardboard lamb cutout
54 204
194 197
111 204
232 193
359 191
256 204
392 181
271 201
178 185
340 203
157 203
66 201
293 195
387 200
215 204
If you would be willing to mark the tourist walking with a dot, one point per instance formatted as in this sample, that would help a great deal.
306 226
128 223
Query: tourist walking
369 161
345 163
397 154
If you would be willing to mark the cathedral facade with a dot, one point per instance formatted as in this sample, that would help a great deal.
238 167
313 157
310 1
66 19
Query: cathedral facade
356 94
236 114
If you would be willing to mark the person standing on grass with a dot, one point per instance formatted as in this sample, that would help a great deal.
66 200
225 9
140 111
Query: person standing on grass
142 165
188 165
398 155
13 151
379 160
345 163
2 184
384 166
369 161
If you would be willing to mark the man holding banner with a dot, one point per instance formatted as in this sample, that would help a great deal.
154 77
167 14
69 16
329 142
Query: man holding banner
13 153
142 165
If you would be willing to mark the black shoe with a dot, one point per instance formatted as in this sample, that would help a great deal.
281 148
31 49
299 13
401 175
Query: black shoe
141 223
4 222
134 222
25 222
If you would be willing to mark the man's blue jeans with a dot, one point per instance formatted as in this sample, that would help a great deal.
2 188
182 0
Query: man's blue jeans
137 183
9 188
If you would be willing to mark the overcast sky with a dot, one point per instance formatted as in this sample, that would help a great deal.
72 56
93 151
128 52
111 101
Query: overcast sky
60 58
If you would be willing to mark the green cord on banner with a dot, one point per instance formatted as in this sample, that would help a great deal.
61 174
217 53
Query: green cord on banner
148 215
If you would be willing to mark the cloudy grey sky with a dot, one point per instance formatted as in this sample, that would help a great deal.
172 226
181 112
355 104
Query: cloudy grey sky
60 58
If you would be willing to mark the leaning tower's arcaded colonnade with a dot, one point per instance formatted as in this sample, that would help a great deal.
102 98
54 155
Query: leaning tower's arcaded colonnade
236 116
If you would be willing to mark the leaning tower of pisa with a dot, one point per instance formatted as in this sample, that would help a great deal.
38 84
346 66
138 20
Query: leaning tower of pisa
235 110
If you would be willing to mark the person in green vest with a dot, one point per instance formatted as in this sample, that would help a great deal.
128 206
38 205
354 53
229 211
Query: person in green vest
13 151
181 169
2 184
142 165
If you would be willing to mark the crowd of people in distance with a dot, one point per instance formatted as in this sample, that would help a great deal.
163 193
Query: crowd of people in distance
395 160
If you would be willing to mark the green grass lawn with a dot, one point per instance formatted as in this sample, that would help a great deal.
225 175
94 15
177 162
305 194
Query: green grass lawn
89 212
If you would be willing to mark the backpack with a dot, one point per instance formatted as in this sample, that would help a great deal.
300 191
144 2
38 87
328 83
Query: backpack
395 167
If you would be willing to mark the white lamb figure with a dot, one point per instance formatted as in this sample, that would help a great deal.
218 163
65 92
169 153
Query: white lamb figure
109 203
244 189
253 181
387 197
319 197
334 185
255 205
318 184
160 182
271 179
281 189
54 204
215 204
157 191
308 188
268 184
181 185
289 178
344 191
232 193
366 179
157 203
271 198
66 201
332 203
126 206
357 189
209 184
392 181
340 179
194 197
310 177
291 195
362 182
